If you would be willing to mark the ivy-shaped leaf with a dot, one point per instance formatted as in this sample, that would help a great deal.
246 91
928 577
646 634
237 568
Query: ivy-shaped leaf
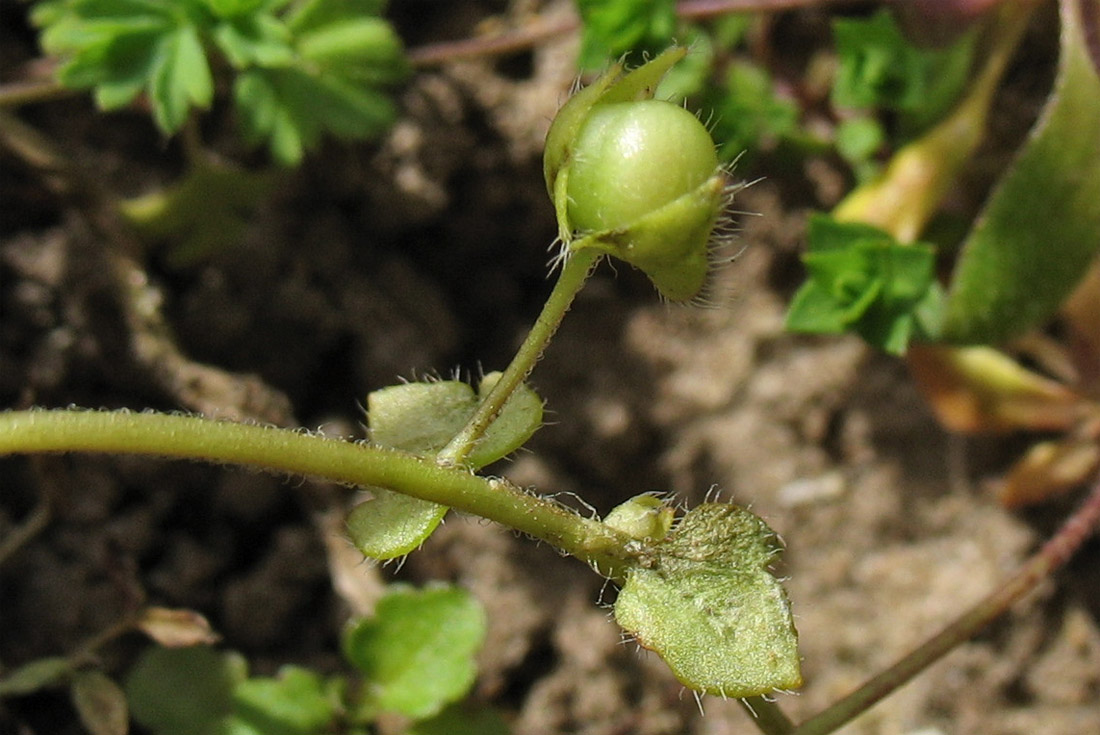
184 691
417 652
421 418
1038 232
704 600
296 702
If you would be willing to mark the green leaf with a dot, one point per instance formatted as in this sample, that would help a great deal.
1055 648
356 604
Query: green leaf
749 113
291 109
307 15
390 524
234 8
862 280
421 418
311 74
364 49
1038 232
615 27
689 77
296 702
704 600
858 139
260 40
205 213
100 703
180 79
183 691
880 68
121 47
33 676
520 418
418 651
463 720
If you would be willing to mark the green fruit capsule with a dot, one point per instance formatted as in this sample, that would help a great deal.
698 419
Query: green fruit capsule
636 178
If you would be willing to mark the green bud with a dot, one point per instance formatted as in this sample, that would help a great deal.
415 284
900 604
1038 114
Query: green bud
636 178
644 517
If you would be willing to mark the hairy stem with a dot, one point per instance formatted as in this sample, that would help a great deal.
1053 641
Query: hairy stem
767 716
574 272
1054 554
283 450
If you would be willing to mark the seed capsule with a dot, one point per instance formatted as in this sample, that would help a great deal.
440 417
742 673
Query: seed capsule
636 178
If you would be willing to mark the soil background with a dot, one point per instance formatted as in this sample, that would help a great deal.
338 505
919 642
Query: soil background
425 254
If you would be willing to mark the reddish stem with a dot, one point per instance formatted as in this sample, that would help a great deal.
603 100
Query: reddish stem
508 42
1053 555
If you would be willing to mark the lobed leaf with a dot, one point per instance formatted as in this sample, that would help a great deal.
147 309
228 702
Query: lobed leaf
704 600
862 280
365 49
255 40
307 15
296 702
183 691
291 109
421 418
879 67
312 71
179 79
418 651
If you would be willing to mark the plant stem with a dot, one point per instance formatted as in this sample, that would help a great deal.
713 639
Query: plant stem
1054 554
15 94
283 450
767 716
542 28
574 272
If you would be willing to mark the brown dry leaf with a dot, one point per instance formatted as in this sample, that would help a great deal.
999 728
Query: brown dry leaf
1049 469
982 390
1081 313
176 628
